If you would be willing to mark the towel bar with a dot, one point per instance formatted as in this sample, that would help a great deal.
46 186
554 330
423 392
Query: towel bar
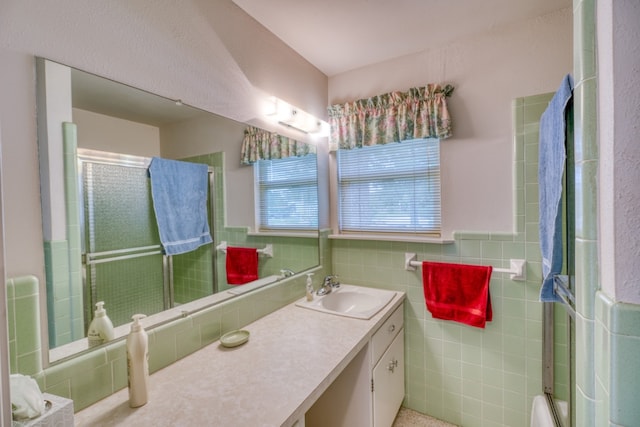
518 271
266 251
121 254
561 289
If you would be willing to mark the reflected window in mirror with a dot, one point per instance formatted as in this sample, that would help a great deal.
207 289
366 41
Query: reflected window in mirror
287 194
285 172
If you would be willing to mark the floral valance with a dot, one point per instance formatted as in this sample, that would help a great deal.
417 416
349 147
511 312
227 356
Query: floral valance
259 144
396 116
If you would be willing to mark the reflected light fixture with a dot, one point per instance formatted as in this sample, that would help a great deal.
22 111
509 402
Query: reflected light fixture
295 118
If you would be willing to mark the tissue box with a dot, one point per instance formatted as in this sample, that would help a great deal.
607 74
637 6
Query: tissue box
58 414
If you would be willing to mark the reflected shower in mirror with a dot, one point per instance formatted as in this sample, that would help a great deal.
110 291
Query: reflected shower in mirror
99 226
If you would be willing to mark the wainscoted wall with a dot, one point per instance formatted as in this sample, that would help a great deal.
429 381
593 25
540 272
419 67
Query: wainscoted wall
62 258
92 376
23 315
465 375
457 373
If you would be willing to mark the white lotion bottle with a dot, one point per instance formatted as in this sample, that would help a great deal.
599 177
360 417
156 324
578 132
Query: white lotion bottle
138 363
101 327
309 287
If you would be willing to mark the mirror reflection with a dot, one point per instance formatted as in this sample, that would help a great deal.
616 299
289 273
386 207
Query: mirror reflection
102 242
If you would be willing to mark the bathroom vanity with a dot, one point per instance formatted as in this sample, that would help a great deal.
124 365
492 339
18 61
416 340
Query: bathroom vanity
370 390
295 363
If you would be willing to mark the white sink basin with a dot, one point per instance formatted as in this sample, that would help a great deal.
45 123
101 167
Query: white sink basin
350 301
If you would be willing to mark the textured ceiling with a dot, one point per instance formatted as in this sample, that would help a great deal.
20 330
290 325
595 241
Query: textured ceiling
342 35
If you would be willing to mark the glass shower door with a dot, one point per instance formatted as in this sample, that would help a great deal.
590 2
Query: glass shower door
122 256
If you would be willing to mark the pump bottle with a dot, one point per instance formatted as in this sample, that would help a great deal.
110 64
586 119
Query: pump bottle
101 327
138 363
309 287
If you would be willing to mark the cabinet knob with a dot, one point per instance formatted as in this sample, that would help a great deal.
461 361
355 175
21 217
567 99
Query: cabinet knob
392 327
392 365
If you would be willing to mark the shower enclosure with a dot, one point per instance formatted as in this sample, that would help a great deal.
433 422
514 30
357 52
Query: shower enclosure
122 258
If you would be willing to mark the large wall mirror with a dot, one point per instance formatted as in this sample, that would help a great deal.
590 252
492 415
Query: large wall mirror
96 138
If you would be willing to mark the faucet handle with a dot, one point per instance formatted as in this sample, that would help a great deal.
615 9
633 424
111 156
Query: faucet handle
332 280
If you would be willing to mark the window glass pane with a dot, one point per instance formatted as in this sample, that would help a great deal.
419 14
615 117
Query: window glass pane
390 188
288 193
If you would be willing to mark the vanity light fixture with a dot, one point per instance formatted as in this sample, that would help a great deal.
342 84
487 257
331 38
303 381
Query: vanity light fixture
301 121
295 118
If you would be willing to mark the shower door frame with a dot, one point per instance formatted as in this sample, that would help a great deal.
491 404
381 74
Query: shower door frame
92 258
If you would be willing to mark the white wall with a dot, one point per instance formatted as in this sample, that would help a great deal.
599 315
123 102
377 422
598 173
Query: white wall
488 72
173 49
106 133
618 36
54 108
5 399
21 197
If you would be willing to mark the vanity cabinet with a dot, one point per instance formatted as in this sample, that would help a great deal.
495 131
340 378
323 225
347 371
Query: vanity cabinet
370 390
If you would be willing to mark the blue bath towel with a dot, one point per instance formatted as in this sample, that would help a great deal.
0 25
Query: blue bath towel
179 192
551 162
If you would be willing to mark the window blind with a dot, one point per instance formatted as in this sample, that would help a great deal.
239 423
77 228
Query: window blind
288 193
390 188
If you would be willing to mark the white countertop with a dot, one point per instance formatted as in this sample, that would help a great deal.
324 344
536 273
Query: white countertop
291 358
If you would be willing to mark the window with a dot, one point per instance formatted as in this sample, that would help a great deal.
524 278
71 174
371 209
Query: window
390 188
287 190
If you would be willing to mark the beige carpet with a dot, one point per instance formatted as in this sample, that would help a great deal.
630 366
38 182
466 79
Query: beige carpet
409 418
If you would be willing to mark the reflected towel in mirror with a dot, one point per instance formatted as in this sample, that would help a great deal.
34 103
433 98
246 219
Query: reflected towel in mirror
242 265
179 192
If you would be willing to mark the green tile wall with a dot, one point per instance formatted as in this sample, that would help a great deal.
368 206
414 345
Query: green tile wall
70 144
62 258
56 258
193 272
92 376
193 275
616 365
464 375
586 161
23 315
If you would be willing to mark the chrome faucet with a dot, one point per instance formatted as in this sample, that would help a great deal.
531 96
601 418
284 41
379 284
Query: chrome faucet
330 283
285 272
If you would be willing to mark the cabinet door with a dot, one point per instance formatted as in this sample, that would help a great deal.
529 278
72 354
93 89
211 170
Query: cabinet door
388 383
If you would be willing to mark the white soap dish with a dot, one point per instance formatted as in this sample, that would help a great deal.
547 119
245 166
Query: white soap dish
234 338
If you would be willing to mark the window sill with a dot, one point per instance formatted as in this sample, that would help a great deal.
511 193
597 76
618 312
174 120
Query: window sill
392 238
308 234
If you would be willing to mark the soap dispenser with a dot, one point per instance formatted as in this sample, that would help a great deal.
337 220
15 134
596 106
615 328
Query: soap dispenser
101 327
138 363
309 287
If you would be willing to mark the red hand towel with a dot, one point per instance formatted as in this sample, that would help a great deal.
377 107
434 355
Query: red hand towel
242 265
458 292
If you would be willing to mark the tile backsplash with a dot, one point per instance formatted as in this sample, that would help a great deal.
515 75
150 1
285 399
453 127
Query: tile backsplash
91 376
